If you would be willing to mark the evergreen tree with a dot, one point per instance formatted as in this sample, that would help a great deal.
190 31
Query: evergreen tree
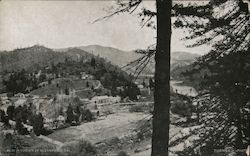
19 126
232 25
225 86
10 112
4 118
37 123
24 114
93 62
70 116
87 84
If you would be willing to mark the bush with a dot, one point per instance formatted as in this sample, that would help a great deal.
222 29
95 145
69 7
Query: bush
181 108
136 108
80 148
87 115
122 153
181 105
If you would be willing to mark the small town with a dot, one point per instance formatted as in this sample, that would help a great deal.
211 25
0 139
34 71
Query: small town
124 78
56 103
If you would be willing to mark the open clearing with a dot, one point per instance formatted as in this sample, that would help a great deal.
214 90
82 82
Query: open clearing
111 126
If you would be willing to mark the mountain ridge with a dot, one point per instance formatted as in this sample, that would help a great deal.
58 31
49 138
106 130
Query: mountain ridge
38 55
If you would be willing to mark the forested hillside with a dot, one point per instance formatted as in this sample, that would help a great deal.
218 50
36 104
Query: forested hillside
20 69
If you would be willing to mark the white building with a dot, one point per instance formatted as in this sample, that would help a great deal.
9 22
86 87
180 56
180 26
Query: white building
3 96
85 76
105 99
20 102
20 95
43 84
100 99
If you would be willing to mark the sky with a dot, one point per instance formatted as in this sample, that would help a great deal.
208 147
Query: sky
60 24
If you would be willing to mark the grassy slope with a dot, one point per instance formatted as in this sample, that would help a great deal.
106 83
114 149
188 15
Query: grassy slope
78 85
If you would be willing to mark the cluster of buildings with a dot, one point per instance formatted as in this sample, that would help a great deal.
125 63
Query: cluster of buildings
53 108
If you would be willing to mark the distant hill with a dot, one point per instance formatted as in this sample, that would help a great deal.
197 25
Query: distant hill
180 59
115 56
122 58
35 57
39 56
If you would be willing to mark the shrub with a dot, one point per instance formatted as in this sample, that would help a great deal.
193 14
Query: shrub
122 153
87 115
80 148
136 108
181 108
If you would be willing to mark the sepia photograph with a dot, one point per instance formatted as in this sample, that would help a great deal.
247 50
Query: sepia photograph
124 78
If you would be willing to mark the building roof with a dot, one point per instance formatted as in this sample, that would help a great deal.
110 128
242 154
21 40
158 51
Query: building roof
20 102
100 97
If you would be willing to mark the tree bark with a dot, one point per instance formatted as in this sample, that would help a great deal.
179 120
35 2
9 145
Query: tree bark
161 116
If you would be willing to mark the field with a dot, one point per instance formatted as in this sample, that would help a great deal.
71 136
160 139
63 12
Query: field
113 125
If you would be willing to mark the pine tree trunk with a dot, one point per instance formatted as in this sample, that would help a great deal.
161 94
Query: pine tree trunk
161 120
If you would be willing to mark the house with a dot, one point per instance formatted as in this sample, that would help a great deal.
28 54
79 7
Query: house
140 86
43 84
20 95
115 99
38 74
61 118
85 76
47 121
121 88
20 102
4 100
50 76
35 97
105 99
100 99
3 96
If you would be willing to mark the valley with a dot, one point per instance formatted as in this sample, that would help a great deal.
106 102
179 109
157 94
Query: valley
79 94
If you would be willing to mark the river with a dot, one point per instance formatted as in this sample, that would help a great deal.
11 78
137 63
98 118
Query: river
183 89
